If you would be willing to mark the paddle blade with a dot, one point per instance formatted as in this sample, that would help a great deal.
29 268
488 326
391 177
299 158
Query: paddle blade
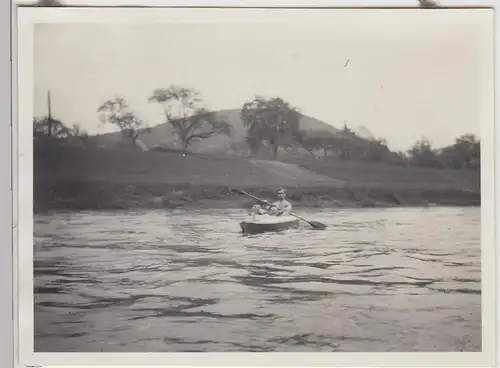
317 225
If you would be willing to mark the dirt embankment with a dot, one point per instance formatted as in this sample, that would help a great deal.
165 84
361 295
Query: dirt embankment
92 179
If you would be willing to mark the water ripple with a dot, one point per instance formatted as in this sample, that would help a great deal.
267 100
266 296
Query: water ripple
375 280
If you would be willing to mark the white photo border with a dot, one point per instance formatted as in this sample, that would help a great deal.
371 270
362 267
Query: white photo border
6 245
22 156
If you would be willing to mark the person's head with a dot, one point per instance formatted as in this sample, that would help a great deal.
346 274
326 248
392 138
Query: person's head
281 193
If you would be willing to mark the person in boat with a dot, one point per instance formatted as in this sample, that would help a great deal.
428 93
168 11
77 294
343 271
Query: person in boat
281 207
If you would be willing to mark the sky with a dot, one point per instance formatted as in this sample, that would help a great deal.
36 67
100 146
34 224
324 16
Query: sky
409 74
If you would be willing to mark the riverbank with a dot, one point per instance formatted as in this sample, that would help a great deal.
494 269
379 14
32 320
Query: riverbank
78 195
79 179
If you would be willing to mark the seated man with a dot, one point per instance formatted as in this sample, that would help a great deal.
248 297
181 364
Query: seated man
279 208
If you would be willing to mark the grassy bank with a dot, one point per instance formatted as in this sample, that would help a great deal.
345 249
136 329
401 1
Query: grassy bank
394 177
90 179
107 195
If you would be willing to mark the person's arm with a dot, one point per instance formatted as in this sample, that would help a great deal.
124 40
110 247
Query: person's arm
273 208
267 205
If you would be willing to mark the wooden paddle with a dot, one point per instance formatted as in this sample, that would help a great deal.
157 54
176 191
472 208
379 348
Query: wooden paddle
315 224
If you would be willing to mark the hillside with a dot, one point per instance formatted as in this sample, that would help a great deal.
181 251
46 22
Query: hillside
162 134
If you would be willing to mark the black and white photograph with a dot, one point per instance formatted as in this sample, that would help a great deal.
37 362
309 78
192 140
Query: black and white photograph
277 181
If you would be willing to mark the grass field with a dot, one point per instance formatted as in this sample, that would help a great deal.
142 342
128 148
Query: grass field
392 176
81 178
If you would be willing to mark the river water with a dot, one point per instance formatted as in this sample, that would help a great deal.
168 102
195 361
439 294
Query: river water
377 280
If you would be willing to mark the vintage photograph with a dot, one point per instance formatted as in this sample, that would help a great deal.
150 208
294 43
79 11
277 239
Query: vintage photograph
260 186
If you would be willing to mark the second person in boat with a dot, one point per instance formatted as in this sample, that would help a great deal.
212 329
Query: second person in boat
281 207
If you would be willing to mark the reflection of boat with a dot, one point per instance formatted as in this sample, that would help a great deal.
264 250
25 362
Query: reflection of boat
265 223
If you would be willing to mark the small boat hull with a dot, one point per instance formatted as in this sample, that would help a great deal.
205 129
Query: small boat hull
266 223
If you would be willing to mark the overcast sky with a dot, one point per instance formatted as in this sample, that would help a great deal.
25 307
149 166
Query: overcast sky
410 74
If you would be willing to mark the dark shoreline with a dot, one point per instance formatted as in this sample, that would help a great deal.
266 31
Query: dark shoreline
94 195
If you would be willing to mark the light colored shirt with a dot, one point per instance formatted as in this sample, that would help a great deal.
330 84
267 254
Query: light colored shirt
283 206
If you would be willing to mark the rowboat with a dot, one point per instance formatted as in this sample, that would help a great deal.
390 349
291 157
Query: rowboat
265 223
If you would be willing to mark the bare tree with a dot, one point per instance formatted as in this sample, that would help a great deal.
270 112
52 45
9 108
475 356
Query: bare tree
182 110
118 113
80 134
76 130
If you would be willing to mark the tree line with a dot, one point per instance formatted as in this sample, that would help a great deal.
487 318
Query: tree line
48 129
182 109
464 153
270 123
276 123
